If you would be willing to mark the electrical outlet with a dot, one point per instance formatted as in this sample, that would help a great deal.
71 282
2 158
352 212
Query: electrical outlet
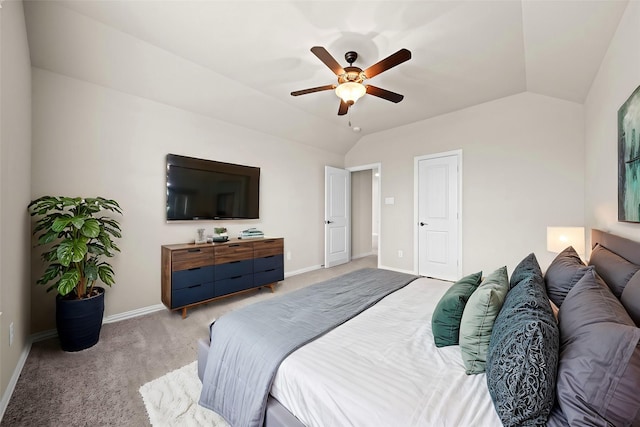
10 334
288 255
400 254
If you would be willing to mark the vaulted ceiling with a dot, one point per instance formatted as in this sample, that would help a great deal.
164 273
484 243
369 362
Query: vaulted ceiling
238 61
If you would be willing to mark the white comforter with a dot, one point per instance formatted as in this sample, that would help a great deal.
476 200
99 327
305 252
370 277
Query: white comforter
382 369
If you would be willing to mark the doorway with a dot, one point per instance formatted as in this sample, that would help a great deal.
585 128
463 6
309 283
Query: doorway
365 212
362 200
337 216
438 203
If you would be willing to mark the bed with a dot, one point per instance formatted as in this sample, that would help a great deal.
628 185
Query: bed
382 366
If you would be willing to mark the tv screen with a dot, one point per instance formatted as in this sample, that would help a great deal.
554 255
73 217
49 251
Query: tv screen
205 189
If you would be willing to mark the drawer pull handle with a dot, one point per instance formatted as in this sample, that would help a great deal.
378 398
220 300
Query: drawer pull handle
195 268
194 250
234 262
270 256
271 269
235 277
194 286
266 242
233 246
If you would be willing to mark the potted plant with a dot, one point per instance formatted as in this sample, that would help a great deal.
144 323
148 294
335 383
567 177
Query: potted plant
220 234
78 237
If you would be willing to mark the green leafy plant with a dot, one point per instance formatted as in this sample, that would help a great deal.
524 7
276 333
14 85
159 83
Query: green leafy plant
78 238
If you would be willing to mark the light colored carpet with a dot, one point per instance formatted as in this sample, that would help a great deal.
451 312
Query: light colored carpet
100 386
172 400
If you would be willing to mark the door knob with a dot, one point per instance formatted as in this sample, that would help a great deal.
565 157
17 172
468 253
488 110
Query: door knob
328 222
422 224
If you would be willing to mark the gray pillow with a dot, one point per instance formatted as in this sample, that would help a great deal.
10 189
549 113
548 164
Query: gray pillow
630 298
523 356
563 273
592 302
528 267
478 317
557 418
599 367
615 270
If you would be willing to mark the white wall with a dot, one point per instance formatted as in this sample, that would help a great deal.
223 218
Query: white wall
618 77
523 169
89 141
15 182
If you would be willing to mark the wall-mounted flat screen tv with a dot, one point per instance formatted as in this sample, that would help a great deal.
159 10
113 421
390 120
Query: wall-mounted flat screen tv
200 189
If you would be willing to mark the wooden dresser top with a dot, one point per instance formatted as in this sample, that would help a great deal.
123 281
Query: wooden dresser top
179 246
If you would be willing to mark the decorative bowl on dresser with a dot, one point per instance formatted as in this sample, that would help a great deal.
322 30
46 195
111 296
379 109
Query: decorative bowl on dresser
194 274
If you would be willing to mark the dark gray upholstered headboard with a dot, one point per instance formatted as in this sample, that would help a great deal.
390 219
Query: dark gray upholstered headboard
627 249
630 251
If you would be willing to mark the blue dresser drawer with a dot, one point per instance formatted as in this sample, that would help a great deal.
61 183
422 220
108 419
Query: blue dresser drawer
268 263
192 294
233 284
195 276
269 276
234 268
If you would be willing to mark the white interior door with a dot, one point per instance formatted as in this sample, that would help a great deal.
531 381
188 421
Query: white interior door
337 227
438 217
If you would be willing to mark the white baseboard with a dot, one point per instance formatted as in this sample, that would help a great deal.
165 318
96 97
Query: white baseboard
14 378
133 313
52 333
44 335
363 255
302 270
397 269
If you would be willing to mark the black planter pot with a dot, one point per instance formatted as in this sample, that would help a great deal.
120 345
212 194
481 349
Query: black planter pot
79 321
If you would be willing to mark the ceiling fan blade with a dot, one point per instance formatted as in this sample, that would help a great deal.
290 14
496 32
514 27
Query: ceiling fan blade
384 94
328 60
313 89
389 62
344 107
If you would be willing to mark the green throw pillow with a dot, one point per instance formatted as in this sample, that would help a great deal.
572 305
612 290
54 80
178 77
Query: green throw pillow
479 315
445 322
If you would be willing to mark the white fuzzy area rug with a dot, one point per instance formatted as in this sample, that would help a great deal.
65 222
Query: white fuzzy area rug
172 400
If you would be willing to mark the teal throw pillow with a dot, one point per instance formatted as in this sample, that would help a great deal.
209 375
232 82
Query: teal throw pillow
445 322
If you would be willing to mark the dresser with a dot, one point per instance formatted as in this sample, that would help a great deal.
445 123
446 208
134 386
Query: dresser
197 274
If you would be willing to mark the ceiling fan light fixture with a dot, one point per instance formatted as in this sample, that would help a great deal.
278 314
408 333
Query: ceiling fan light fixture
350 92
350 79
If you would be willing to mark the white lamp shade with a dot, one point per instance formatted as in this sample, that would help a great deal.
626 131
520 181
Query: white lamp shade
559 238
350 91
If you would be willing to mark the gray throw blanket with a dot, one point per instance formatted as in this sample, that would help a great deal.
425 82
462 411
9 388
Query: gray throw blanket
248 345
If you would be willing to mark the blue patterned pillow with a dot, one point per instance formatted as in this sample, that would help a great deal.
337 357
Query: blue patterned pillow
523 356
528 267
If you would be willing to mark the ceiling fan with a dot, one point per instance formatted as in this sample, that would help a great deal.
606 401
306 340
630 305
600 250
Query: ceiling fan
350 85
